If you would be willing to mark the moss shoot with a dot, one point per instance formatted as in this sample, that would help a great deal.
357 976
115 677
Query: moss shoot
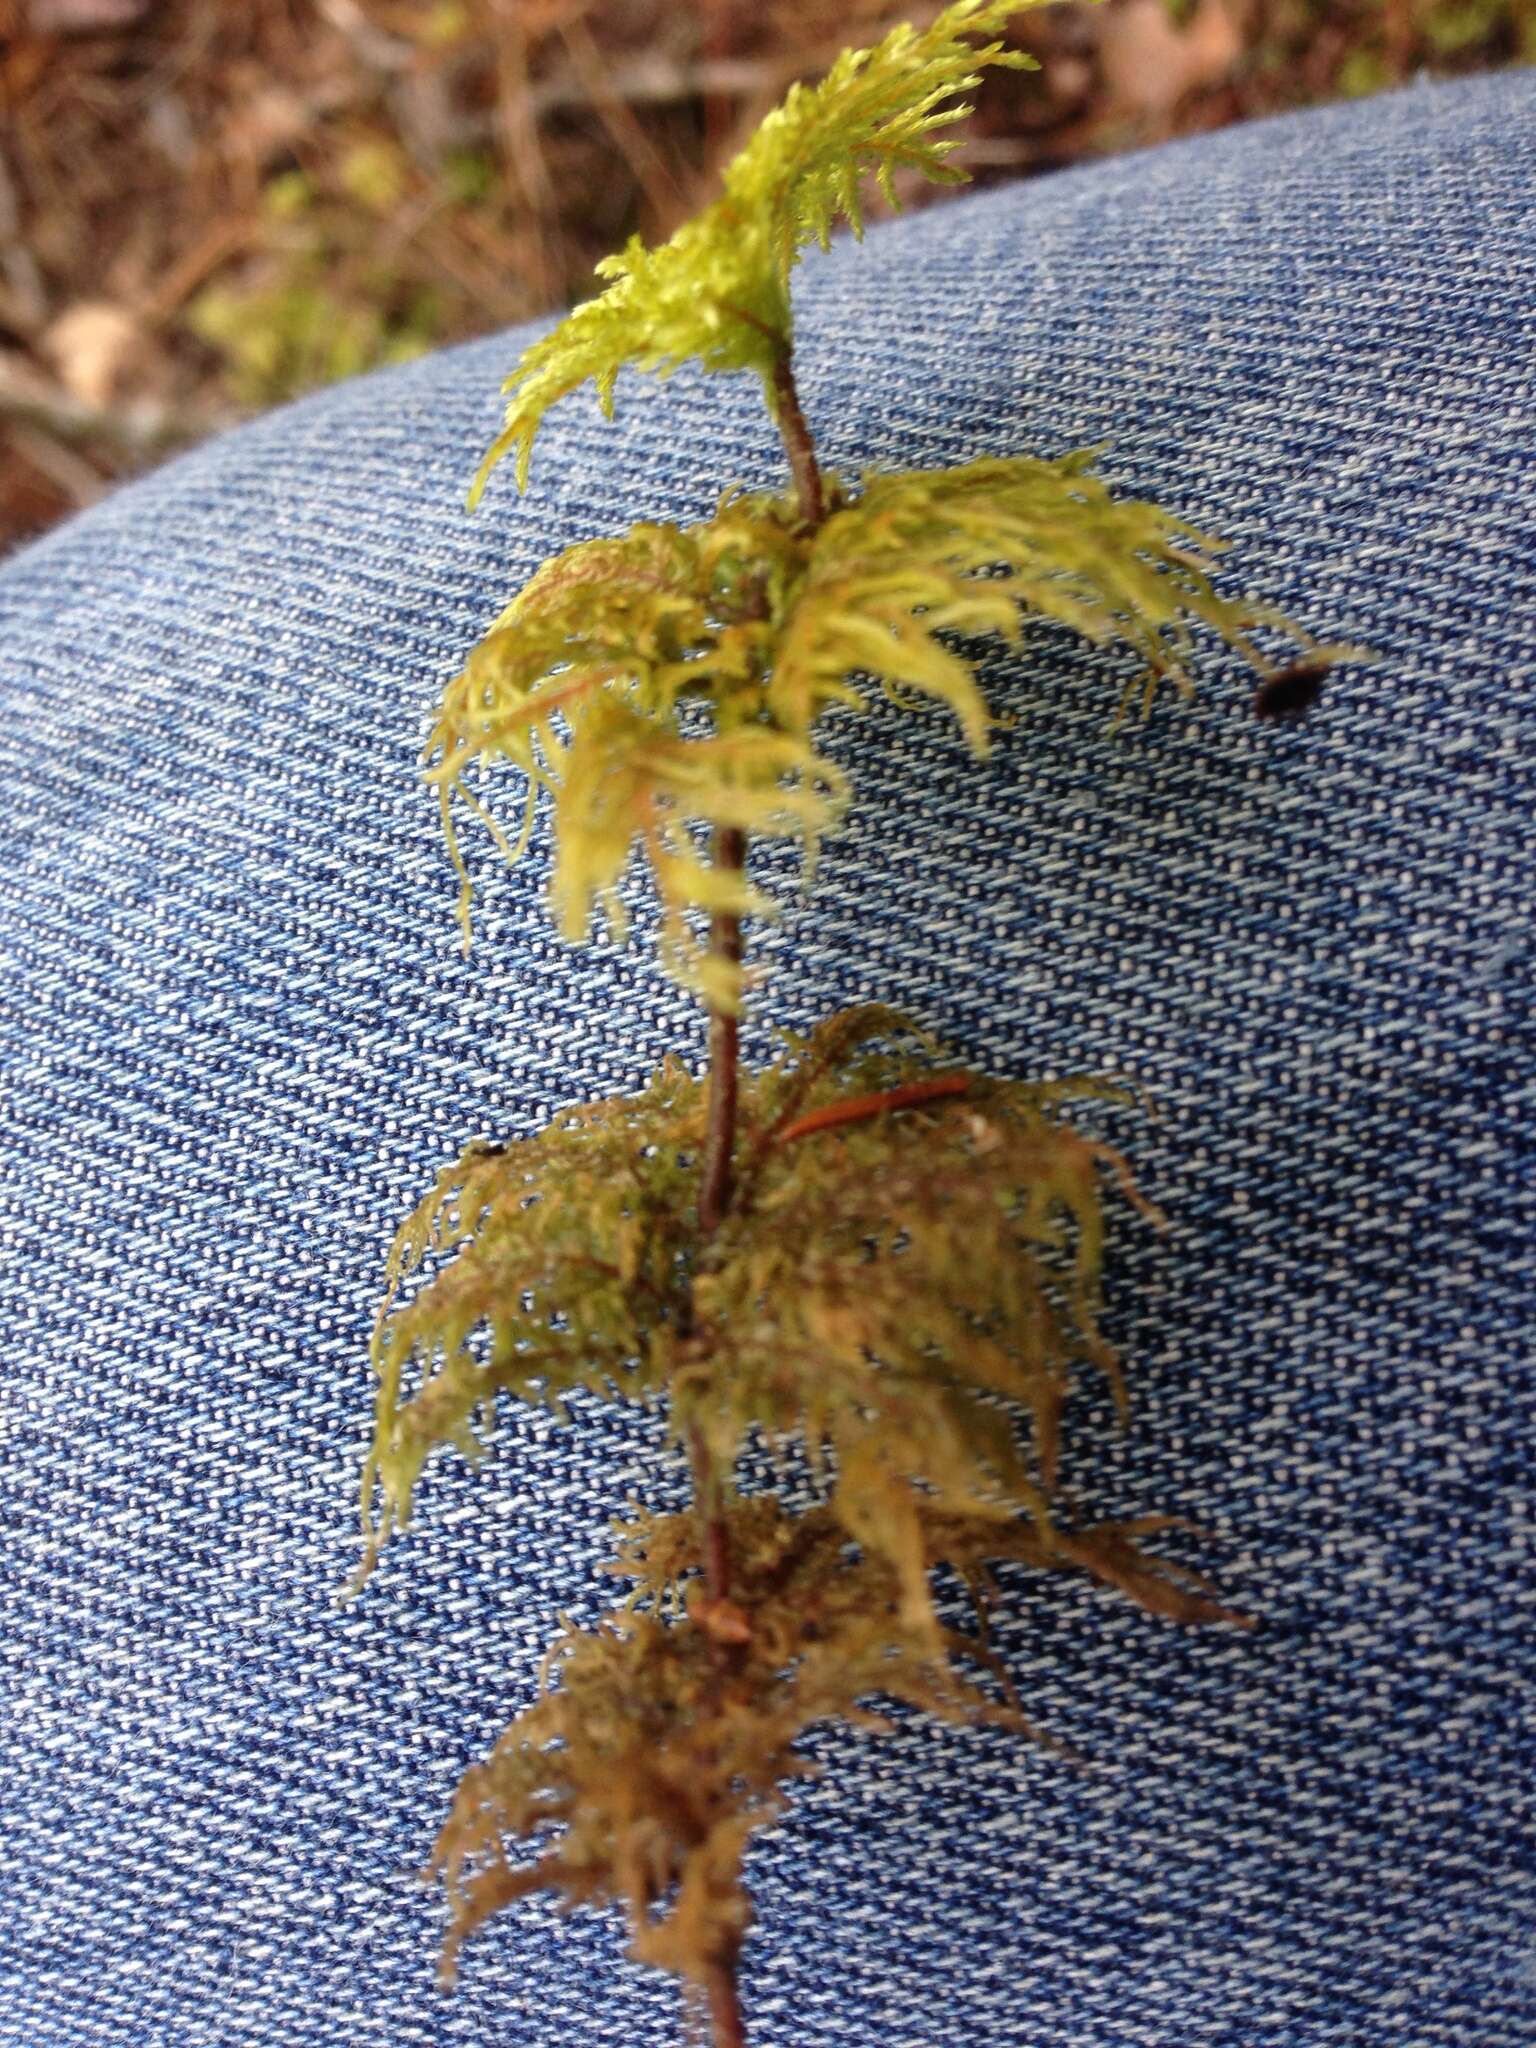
867 1249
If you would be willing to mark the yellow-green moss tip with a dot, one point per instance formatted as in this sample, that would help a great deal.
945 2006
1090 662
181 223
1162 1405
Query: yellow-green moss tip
717 293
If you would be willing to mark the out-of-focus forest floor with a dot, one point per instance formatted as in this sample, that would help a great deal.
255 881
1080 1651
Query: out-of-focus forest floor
207 206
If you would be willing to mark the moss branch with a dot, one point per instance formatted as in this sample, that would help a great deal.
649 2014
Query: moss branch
798 445
858 1109
717 1185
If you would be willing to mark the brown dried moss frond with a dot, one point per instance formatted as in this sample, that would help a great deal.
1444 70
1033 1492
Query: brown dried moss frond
667 1740
624 1783
783 1564
1114 1553
640 1777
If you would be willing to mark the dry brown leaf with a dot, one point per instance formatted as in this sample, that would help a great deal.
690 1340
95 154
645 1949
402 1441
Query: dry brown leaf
91 345
1149 64
83 17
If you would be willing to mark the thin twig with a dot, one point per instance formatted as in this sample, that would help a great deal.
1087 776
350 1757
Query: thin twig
18 266
218 242
523 151
651 174
654 81
78 482
134 430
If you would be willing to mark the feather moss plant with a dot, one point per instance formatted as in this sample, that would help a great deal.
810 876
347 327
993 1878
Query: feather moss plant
869 1247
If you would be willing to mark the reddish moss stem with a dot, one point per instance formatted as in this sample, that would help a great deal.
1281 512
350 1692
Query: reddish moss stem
725 2007
858 1109
724 1055
720 1136
717 1185
717 1556
715 1191
798 445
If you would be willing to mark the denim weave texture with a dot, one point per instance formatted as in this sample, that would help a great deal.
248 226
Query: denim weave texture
239 1038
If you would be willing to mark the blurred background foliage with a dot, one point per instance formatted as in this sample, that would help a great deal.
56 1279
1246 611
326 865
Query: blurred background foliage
209 206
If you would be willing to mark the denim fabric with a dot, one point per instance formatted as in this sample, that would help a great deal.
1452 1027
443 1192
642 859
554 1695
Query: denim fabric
239 1037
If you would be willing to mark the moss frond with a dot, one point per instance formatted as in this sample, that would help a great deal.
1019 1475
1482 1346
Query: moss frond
981 549
877 111
909 1272
592 684
665 1740
913 1256
718 292
532 1270
670 681
640 1776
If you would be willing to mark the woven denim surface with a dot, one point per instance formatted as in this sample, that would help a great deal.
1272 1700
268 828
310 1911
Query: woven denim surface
238 1039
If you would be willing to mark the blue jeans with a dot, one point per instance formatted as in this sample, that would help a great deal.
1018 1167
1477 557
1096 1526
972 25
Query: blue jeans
238 1039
